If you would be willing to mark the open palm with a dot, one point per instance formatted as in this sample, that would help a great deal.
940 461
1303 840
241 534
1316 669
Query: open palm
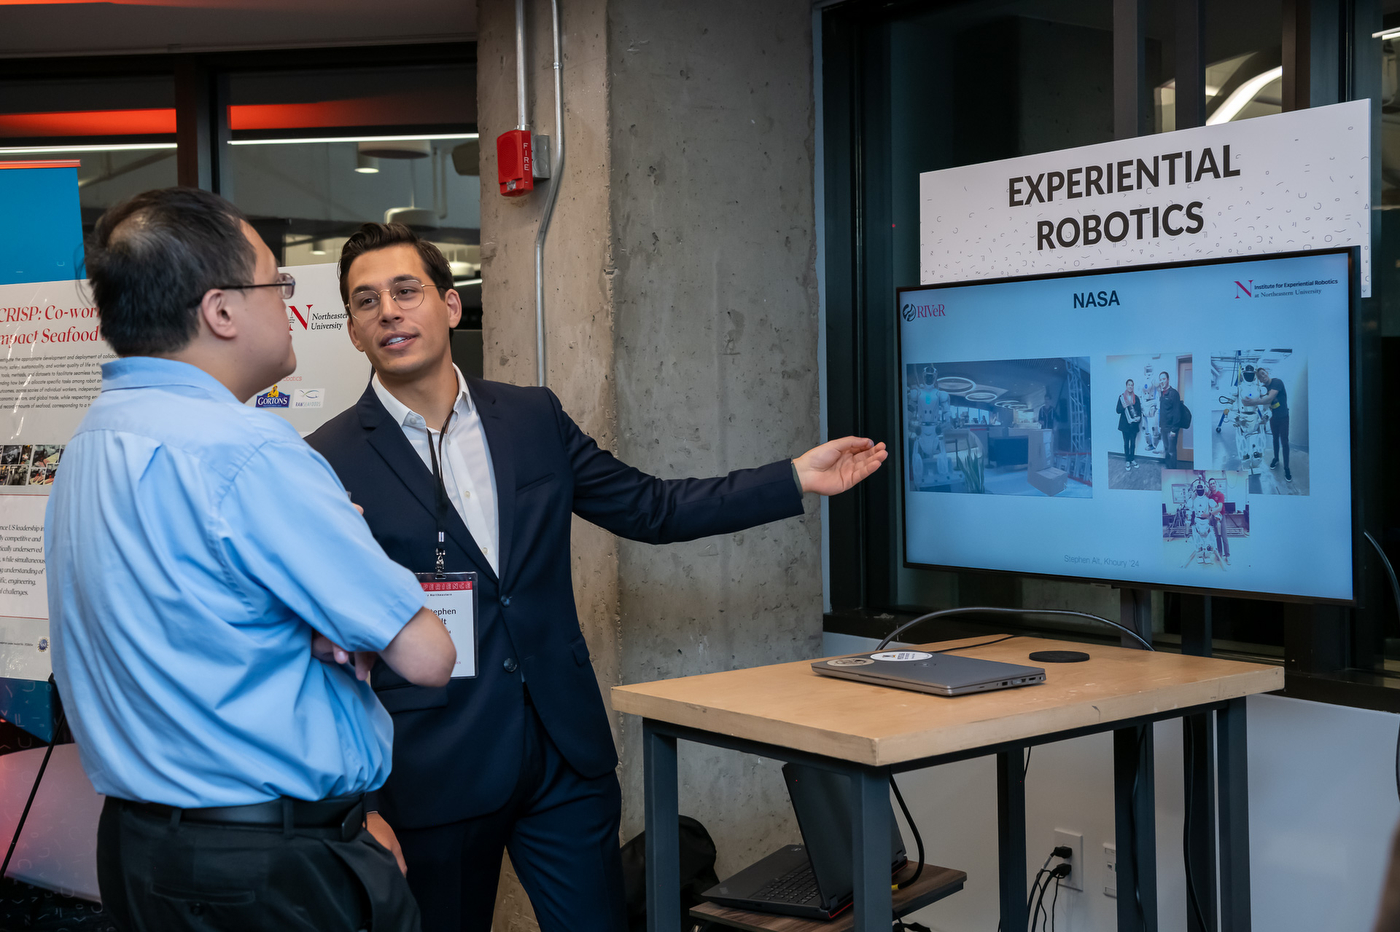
837 465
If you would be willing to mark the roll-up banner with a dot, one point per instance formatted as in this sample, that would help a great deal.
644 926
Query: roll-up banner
51 353
1285 183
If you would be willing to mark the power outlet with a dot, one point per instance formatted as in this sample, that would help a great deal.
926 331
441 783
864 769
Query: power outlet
1110 859
1075 842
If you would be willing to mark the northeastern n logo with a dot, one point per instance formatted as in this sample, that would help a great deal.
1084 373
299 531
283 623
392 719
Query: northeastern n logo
272 398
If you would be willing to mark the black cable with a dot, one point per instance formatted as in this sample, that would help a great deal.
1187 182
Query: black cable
1040 902
1394 591
949 650
990 610
1192 896
1026 768
1053 900
34 790
918 840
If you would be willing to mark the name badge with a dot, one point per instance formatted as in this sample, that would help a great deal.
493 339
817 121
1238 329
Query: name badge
452 597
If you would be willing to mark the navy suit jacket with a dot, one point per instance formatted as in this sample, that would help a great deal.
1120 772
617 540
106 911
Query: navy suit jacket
457 748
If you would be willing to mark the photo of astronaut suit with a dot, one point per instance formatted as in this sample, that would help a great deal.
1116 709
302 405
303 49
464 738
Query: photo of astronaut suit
1268 442
1205 519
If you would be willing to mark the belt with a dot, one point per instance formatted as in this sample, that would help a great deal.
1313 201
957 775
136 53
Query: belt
346 814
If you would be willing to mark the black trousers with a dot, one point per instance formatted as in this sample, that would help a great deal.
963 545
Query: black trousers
159 876
1279 426
1130 444
561 830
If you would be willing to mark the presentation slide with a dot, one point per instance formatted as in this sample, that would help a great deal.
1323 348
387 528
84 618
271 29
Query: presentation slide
1149 426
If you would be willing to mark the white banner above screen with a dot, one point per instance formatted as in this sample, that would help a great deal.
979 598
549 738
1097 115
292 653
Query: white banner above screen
1284 183
51 354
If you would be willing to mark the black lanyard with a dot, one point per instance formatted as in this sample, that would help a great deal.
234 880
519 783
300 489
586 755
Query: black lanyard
440 493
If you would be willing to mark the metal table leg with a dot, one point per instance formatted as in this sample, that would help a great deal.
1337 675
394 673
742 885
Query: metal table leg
1135 824
870 836
1232 741
1011 837
663 831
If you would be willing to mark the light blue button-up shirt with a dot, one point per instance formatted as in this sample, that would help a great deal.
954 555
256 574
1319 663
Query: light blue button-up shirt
193 544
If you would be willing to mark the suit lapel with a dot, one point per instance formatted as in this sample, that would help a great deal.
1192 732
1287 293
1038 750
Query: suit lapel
499 441
388 440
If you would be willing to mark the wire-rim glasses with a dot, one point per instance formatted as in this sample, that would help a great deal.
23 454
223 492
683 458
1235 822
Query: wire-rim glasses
406 293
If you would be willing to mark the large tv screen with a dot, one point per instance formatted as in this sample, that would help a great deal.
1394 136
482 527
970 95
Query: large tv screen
1146 427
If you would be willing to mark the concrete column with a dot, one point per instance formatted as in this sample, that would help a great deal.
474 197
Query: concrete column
682 326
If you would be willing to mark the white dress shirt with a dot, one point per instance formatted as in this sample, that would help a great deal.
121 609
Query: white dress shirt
466 463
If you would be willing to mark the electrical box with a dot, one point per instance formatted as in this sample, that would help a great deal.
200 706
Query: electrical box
515 162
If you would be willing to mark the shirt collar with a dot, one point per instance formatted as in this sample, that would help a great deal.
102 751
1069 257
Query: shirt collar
406 417
153 371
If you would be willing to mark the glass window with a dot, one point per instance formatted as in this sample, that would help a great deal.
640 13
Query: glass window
312 155
121 130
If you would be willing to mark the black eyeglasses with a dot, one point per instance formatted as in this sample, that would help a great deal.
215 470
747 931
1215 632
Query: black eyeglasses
284 282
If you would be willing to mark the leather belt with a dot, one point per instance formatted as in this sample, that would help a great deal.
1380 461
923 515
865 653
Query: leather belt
343 813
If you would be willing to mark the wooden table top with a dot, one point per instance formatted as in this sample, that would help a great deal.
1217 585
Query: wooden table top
790 706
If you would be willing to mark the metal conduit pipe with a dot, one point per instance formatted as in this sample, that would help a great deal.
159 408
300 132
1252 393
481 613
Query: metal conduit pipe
523 122
556 176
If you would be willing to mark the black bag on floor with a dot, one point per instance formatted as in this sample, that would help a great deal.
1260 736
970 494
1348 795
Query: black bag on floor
697 874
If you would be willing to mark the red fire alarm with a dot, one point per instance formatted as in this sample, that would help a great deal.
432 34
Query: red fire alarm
513 161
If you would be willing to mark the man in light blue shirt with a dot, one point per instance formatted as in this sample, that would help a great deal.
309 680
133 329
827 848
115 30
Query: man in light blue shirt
197 549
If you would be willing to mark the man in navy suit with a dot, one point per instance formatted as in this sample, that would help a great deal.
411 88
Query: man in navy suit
519 757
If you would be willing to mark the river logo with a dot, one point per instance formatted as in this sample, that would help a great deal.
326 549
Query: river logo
912 312
272 398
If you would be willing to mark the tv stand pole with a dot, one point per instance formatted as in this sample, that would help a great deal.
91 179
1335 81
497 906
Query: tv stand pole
1198 739
1135 794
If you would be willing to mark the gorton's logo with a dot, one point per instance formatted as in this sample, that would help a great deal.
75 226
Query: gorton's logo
272 398
912 311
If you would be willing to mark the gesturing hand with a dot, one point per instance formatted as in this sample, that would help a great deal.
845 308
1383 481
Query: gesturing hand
327 651
837 465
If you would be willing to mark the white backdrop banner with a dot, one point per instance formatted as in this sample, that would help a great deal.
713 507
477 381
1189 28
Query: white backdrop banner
51 355
331 374
1284 183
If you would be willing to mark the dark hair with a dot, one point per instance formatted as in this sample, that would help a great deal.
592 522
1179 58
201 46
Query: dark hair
152 257
375 236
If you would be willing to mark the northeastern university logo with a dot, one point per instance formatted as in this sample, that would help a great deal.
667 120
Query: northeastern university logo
272 398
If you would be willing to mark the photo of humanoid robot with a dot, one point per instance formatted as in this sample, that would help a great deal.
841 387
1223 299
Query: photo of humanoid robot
999 427
1149 410
1205 518
1259 419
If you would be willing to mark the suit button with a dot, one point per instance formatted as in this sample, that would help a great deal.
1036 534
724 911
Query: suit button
505 600
510 665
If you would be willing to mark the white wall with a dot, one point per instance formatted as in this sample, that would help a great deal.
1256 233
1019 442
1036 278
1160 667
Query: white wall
1322 807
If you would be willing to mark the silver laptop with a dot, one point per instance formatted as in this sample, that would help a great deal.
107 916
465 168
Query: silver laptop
925 672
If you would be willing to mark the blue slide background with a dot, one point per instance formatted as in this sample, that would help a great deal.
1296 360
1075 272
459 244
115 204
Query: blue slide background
41 227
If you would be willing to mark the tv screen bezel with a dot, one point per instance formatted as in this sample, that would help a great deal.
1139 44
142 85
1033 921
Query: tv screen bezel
1353 265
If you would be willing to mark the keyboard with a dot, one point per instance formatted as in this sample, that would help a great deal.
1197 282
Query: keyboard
797 886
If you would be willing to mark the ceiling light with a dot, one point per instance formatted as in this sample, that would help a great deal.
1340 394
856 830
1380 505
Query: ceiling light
1386 34
981 395
318 247
109 147
366 164
1242 95
309 140
956 384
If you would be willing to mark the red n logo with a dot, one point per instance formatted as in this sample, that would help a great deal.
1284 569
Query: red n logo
302 320
1240 285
